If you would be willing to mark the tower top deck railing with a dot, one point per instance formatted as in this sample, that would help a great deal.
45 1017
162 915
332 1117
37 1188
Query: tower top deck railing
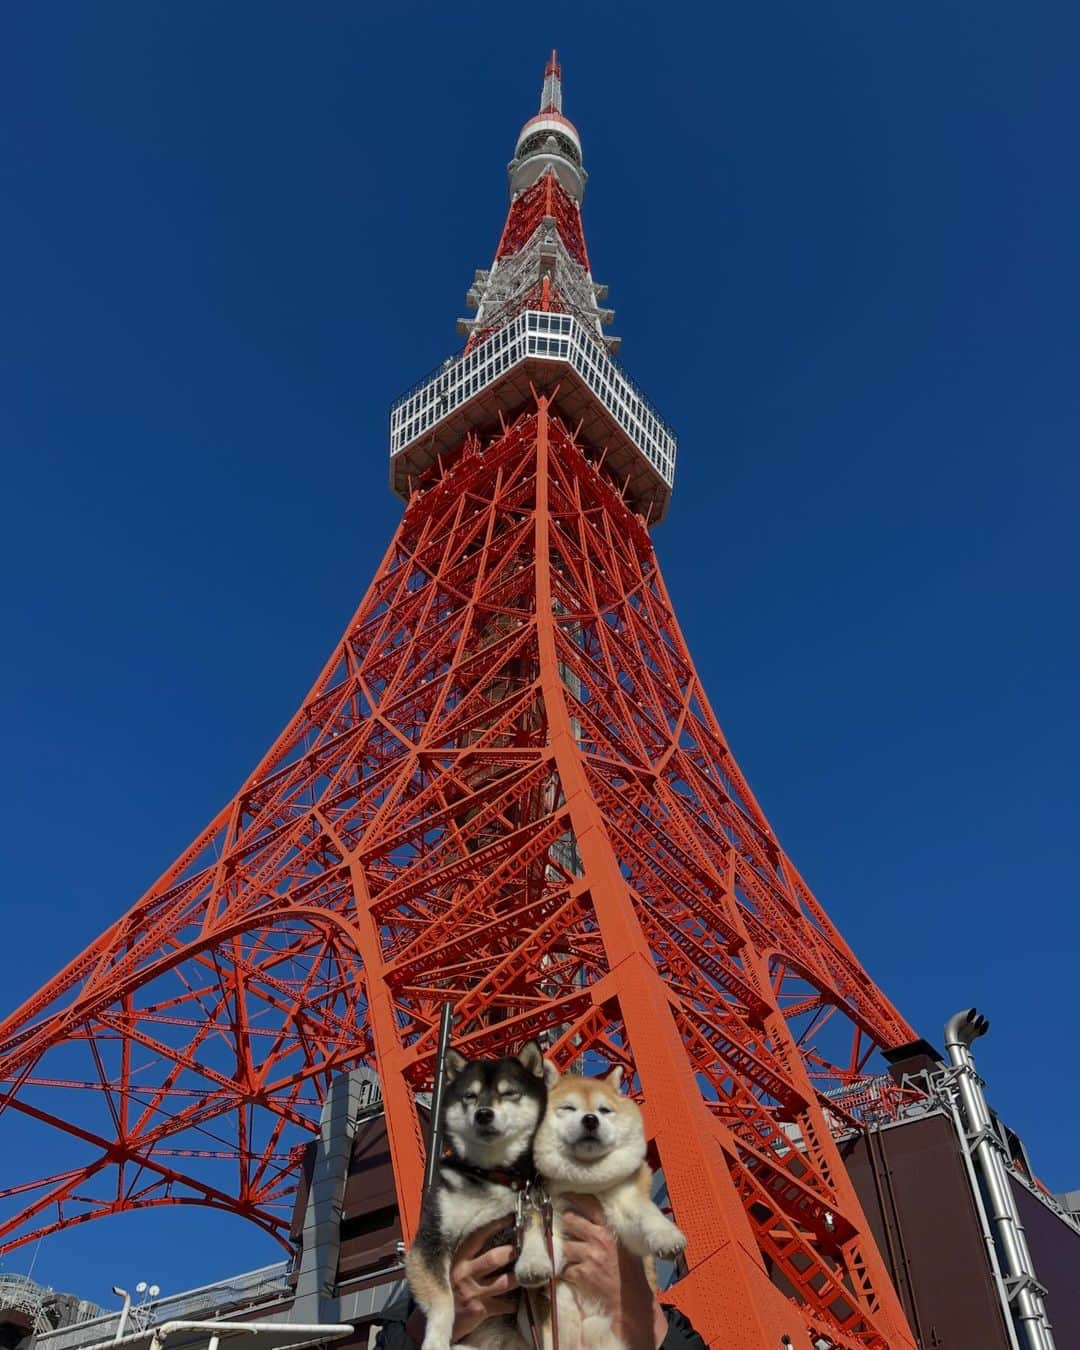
535 335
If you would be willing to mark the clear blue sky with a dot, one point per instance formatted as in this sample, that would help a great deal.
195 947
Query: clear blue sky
842 245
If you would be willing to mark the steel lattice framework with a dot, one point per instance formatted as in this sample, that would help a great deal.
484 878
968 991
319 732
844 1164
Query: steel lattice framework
506 789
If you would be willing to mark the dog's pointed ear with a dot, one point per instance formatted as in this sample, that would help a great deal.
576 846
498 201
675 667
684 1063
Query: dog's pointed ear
614 1077
531 1057
551 1074
453 1064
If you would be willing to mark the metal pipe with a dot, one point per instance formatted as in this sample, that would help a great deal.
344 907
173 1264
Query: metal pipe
435 1125
948 1097
986 1150
330 1331
122 1323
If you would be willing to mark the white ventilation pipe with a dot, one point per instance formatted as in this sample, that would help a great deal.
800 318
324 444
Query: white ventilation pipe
1024 1291
121 1325
306 1332
948 1100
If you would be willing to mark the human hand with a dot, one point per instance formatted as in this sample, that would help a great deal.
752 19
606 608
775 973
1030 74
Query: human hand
595 1263
481 1281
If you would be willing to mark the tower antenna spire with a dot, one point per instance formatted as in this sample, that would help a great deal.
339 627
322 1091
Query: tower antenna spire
551 94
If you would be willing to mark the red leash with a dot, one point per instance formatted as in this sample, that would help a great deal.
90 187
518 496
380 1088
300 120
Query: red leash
542 1201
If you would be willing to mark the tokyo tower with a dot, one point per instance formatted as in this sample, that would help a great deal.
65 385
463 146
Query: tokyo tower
507 790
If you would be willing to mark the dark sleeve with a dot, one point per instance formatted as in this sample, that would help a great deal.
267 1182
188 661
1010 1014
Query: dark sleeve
680 1334
393 1336
400 1325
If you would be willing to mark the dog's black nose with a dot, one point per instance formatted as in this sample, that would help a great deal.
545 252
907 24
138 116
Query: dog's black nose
590 1123
483 1115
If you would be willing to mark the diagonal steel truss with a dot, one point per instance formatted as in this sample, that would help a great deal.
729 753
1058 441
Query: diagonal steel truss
507 789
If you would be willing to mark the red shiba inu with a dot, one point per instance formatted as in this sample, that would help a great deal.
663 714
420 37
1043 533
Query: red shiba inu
591 1141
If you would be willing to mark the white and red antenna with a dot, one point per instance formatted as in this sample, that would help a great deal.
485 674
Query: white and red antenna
551 94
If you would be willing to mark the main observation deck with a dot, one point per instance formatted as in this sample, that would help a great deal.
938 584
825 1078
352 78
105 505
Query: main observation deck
543 350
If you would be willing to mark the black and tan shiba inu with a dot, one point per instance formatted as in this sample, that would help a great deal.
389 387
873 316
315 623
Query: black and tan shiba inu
591 1141
491 1112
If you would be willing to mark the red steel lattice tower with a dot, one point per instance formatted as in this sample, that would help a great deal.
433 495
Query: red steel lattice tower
507 789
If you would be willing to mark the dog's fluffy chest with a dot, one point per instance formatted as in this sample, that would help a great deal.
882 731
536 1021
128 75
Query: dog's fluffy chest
466 1204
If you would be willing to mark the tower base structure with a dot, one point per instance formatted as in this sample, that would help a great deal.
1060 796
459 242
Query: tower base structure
912 1175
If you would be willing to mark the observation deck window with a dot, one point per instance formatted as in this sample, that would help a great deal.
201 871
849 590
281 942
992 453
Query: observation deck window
546 335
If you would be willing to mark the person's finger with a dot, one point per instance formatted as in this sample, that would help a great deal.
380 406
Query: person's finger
498 1258
471 1245
575 1252
498 1284
586 1205
579 1272
499 1307
583 1229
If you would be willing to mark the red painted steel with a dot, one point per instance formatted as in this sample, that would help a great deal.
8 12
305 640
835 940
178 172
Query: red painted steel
507 789
544 198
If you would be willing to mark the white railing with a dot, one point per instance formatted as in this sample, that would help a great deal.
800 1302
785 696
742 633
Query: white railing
548 336
250 1289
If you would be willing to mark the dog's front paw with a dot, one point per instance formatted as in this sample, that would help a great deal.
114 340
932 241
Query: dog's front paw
664 1240
533 1270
